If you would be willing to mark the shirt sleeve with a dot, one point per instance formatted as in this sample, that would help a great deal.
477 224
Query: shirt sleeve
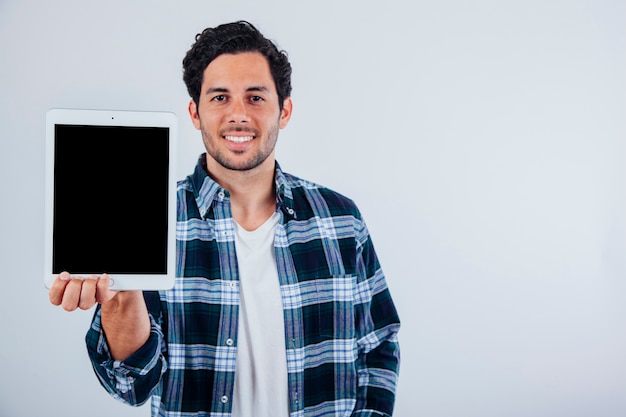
133 380
377 328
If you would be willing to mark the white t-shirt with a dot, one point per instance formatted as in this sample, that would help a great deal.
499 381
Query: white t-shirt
261 369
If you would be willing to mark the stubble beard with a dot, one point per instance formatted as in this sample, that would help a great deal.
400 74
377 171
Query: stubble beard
260 155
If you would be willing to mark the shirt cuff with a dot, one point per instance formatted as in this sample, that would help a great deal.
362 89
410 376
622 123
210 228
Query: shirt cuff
140 363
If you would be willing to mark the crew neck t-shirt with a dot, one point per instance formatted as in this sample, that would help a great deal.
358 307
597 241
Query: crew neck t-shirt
261 367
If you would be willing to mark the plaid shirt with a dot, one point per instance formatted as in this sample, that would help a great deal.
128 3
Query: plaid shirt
340 321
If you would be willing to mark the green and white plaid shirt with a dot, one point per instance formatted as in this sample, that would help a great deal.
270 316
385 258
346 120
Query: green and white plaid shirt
340 322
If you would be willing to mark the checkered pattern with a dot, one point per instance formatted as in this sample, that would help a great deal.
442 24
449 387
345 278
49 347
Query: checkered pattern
340 321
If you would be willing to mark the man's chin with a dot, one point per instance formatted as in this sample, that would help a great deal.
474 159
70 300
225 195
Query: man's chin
240 166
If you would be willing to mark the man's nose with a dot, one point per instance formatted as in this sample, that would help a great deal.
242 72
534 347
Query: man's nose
238 111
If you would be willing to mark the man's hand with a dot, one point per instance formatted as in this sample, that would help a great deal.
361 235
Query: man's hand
125 318
80 292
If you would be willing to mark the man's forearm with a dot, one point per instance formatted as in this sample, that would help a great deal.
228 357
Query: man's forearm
125 323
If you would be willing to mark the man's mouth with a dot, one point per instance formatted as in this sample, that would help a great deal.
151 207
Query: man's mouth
238 139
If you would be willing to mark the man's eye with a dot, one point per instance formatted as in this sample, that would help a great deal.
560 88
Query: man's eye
256 98
221 97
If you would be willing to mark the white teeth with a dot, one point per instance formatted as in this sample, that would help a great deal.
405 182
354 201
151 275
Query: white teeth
239 139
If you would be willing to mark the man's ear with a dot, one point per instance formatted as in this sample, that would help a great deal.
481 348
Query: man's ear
285 113
193 113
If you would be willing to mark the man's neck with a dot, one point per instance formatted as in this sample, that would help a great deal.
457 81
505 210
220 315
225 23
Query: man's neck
252 194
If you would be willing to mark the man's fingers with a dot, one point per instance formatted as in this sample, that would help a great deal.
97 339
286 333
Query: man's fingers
88 293
71 296
72 293
104 292
58 288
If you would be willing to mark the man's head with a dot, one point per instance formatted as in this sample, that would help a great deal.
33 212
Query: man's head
234 38
240 88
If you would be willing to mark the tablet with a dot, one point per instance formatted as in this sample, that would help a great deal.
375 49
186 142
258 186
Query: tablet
111 196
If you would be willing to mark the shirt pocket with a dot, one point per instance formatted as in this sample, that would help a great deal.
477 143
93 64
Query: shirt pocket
329 313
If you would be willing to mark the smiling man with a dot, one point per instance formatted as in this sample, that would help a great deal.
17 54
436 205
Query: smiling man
280 307
239 114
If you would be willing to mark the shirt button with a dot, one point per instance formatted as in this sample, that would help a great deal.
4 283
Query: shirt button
224 399
221 195
232 284
229 342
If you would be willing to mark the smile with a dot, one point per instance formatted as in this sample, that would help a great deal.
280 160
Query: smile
239 139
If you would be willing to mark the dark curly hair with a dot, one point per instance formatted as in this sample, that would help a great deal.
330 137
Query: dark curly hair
233 38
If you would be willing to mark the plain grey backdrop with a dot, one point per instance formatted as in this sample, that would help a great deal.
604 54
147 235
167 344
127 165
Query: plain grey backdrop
484 142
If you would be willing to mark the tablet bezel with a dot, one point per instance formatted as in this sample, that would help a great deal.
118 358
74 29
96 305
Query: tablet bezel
124 118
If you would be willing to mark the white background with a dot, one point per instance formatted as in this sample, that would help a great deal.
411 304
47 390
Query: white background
483 140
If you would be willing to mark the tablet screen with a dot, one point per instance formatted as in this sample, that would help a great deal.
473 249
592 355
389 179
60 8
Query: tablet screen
110 199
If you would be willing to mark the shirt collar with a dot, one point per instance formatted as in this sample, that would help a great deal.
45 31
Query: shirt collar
206 190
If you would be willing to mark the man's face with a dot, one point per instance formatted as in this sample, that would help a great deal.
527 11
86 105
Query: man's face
238 111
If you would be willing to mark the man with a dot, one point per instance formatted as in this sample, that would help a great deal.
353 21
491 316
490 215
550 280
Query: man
280 307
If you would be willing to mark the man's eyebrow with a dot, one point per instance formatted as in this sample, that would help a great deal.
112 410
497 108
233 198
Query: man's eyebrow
259 88
216 90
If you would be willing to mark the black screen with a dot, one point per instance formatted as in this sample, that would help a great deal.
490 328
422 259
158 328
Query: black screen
110 200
